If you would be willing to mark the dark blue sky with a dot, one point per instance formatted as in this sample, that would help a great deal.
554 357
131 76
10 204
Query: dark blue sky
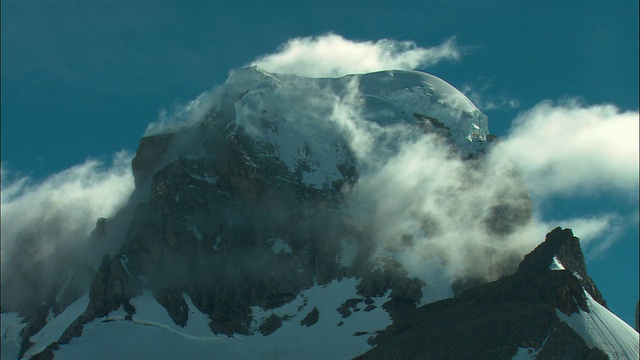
84 78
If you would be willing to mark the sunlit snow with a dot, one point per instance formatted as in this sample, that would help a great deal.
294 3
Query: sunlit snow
556 264
599 327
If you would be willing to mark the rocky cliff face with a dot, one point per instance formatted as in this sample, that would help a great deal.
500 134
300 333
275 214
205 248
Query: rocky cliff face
232 230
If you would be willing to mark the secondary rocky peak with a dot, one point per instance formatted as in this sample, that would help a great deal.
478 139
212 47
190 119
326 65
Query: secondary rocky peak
518 314
562 248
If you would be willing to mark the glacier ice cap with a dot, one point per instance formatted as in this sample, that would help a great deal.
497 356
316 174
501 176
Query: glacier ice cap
402 92
311 120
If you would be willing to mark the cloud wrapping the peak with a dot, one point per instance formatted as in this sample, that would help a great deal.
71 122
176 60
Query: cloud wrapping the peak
331 55
46 226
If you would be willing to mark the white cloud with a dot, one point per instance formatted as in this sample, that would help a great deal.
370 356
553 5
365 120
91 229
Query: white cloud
46 225
421 204
570 148
597 233
332 55
485 101
182 115
328 55
430 210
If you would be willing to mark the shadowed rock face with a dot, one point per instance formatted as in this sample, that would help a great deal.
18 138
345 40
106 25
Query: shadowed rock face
493 320
209 230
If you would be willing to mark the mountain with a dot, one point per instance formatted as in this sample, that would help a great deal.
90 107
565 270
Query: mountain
284 213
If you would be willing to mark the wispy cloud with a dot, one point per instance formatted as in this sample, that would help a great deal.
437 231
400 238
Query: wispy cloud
433 211
181 115
568 148
597 233
421 204
485 100
46 225
332 55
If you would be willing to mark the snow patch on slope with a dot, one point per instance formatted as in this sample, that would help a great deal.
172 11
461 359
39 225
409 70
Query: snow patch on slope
12 323
528 353
56 325
525 354
278 246
556 264
601 328
296 341
152 333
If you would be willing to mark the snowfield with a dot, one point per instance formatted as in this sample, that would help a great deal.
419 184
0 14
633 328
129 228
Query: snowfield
151 334
599 327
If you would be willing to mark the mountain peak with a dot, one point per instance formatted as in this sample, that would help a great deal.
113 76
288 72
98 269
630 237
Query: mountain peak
562 248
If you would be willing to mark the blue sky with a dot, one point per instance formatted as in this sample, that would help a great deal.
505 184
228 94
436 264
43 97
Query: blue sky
83 79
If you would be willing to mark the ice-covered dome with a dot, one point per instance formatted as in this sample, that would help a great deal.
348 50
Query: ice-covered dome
309 122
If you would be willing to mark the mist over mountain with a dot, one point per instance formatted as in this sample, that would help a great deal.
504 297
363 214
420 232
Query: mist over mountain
279 213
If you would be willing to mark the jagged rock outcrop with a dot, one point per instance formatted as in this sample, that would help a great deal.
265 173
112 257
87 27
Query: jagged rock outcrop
494 320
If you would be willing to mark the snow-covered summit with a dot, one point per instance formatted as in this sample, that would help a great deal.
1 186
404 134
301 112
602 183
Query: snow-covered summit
313 121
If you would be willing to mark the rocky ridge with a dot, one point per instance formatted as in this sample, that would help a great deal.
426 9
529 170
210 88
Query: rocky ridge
495 320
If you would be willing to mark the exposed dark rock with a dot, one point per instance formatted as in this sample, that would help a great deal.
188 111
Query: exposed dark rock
175 305
348 307
461 285
112 287
311 318
369 301
271 324
100 230
370 307
433 121
566 247
151 152
46 354
35 321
